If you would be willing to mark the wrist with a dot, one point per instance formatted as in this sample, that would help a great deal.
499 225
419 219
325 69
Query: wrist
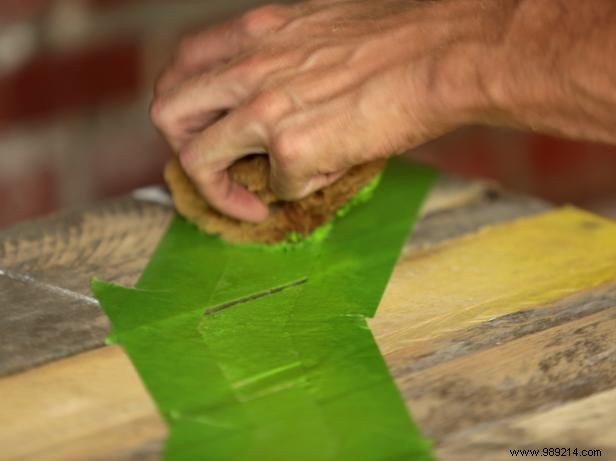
551 72
516 82
466 80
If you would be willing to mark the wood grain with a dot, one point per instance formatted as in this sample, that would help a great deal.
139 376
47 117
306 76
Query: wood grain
541 377
426 354
87 407
521 367
113 240
588 423
502 269
41 324
561 364
45 270
46 266
486 206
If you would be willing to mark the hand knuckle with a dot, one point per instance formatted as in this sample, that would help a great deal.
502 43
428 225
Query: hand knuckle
287 148
249 66
267 106
259 19
189 157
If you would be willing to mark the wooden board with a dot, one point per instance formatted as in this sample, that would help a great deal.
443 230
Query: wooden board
586 424
89 406
509 382
46 266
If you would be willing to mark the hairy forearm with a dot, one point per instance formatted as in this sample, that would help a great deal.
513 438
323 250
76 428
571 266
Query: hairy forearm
554 69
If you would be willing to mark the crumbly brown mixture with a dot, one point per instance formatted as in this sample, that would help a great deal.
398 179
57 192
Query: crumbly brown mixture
302 216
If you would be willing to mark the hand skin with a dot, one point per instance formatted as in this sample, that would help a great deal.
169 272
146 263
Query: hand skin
324 85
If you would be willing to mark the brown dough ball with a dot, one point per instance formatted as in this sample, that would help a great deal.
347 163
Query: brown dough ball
302 216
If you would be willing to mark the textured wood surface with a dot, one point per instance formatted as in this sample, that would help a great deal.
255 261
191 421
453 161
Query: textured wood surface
89 406
585 424
532 378
46 265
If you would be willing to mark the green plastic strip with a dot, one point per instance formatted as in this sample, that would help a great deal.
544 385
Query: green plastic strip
253 354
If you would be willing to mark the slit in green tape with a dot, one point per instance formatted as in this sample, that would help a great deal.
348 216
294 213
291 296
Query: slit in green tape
261 355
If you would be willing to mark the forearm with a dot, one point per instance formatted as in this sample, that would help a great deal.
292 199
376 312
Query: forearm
555 69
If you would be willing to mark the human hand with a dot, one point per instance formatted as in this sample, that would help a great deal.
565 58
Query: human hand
319 86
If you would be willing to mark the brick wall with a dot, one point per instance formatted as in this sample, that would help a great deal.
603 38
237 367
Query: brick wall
75 79
75 84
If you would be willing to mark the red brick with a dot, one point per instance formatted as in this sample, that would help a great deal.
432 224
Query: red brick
51 84
29 195
572 171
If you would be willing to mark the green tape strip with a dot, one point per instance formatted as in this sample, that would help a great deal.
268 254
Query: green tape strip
284 366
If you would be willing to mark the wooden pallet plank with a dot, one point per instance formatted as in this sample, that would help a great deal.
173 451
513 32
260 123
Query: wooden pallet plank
90 406
491 207
97 395
494 332
506 268
589 423
113 240
41 324
560 364
50 262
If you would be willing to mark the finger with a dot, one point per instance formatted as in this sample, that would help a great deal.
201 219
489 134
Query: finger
333 136
219 43
308 153
193 106
291 188
201 100
207 159
230 198
198 52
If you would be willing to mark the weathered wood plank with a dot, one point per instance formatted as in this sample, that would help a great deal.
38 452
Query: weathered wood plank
88 407
488 206
42 323
426 354
561 364
96 396
589 423
503 269
113 240
54 264
51 261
